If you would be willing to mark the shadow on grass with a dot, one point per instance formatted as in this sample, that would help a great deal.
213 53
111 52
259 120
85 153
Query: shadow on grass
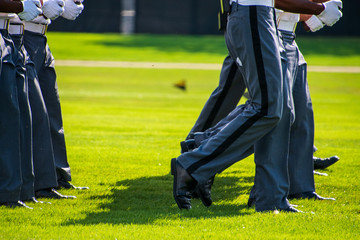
169 43
149 199
216 44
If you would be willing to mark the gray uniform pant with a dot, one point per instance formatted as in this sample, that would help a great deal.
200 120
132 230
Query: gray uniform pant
43 157
16 175
299 131
302 129
38 49
301 164
25 123
223 99
253 43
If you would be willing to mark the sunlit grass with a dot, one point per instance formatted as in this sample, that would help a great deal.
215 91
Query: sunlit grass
322 51
123 126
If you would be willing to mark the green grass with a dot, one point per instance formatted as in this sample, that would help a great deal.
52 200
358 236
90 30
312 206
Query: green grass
123 126
204 49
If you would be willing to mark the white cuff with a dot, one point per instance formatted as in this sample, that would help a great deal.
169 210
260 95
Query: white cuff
314 23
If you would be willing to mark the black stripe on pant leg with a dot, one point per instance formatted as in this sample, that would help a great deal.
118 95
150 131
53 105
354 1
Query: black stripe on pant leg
225 145
264 97
221 98
259 59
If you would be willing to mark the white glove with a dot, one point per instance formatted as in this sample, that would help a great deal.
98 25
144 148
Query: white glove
53 8
72 9
331 13
314 23
31 9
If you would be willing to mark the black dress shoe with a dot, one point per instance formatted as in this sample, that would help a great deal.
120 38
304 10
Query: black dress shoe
251 202
184 147
308 195
203 191
15 205
187 145
206 187
290 209
252 199
183 185
51 193
322 163
67 185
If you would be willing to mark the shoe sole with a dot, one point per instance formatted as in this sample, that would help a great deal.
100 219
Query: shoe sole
331 161
174 173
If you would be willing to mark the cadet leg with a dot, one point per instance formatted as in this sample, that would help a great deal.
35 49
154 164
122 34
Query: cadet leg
49 88
10 162
27 190
261 114
223 99
302 134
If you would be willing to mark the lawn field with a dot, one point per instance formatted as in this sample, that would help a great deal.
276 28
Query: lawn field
123 126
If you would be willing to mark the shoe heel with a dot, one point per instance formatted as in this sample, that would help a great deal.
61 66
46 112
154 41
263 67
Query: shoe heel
184 147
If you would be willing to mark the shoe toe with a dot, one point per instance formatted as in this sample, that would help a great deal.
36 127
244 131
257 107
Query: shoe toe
204 195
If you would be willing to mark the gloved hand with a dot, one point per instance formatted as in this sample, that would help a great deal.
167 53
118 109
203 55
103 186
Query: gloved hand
331 13
53 8
314 23
73 8
31 9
